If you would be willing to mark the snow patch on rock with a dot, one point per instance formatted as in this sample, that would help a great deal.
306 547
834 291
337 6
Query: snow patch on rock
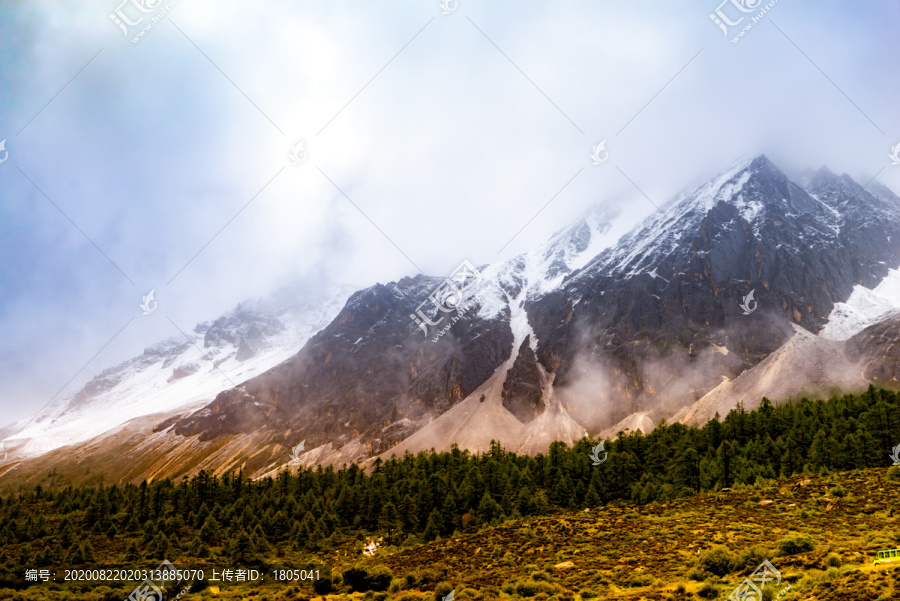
864 308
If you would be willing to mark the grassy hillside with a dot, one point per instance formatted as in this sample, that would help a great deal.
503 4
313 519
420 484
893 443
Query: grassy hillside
821 532
681 513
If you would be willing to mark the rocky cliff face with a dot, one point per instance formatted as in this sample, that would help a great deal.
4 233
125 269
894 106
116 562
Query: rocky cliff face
673 288
877 348
658 314
522 395
368 372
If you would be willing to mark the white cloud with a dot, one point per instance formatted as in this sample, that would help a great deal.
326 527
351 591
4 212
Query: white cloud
450 150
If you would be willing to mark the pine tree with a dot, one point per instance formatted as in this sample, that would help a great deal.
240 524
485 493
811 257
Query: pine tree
687 472
389 521
133 525
278 525
525 501
488 510
819 452
563 491
131 552
75 556
258 541
55 553
202 514
160 546
209 534
317 535
725 460
592 498
241 549
26 555
66 533
87 551
433 527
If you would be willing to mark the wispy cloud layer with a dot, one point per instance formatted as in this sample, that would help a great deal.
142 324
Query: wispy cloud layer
431 138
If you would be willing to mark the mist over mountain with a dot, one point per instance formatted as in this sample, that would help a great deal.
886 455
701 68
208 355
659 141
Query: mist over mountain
182 371
719 297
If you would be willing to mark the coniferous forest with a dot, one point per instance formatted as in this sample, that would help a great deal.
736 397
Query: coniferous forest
325 517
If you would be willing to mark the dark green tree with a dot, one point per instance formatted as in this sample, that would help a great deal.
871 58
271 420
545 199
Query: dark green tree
389 521
489 511
131 551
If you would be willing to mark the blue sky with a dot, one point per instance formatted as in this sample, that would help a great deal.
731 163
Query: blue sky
126 159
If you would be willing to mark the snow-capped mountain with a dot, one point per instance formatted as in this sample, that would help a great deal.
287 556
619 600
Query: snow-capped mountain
182 371
585 334
650 323
660 315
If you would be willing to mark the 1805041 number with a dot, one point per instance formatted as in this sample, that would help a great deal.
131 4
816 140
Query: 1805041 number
296 574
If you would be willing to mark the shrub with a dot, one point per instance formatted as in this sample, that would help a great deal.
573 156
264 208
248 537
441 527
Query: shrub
837 492
718 560
442 590
708 591
893 474
638 580
795 543
361 578
357 578
327 584
751 558
433 576
833 560
698 575
588 594
530 588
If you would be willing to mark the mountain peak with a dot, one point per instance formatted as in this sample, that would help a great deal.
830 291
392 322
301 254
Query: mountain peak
762 161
